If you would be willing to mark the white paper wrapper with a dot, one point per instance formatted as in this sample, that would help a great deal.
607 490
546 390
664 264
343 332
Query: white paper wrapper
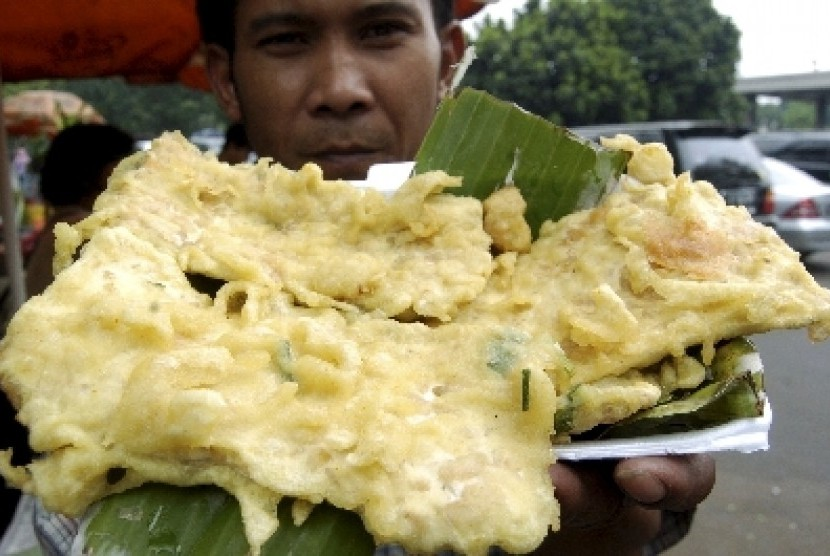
741 435
386 178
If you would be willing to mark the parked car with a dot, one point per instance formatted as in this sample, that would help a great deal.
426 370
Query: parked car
797 207
808 150
712 151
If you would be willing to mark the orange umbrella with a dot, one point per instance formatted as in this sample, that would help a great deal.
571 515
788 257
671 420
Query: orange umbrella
46 112
146 41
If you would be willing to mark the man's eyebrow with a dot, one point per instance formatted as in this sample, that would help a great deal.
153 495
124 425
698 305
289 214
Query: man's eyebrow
380 9
391 8
277 18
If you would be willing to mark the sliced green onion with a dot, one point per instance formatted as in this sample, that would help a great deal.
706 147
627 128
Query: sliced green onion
525 389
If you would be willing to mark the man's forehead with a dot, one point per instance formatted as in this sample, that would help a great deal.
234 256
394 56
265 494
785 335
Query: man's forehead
328 5
254 15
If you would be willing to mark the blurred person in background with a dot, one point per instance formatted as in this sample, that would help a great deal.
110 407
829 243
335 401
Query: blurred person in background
75 170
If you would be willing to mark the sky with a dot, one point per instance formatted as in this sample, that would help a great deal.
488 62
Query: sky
777 36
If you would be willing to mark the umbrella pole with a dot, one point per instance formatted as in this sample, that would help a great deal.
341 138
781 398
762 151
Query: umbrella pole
11 238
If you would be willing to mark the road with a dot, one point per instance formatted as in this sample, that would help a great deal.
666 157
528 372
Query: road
777 502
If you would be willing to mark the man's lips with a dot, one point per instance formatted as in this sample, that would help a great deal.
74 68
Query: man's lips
346 162
341 149
343 153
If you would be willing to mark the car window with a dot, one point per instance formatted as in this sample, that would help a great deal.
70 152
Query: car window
808 151
726 161
697 151
649 136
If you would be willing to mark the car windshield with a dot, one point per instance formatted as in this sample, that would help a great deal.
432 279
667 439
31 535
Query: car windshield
721 160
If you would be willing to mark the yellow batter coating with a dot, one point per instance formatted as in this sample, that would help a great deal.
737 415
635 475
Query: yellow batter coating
278 334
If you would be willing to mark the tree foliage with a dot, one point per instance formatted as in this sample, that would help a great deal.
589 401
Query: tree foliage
790 114
580 62
143 110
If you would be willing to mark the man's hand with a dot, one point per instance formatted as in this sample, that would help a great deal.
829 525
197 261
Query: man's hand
615 507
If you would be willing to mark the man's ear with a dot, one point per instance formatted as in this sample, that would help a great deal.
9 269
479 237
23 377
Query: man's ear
218 67
453 45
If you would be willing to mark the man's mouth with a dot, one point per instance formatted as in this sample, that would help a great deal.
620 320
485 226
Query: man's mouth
346 162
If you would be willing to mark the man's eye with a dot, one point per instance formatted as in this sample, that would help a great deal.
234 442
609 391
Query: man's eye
382 30
286 39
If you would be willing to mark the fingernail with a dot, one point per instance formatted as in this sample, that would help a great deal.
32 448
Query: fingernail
642 486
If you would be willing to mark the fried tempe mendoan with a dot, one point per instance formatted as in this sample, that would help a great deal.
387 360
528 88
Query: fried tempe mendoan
278 335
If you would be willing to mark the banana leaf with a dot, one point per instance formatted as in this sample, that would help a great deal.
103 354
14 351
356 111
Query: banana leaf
206 521
490 142
732 393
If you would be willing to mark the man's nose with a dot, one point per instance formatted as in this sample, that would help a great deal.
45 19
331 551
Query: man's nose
342 83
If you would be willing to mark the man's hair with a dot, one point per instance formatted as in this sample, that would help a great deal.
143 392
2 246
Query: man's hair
217 17
443 12
76 159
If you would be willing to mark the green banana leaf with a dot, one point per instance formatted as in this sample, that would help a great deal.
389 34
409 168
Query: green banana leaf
206 521
732 392
489 142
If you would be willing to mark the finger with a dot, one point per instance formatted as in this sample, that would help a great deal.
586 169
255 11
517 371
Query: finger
676 483
596 514
627 533
586 492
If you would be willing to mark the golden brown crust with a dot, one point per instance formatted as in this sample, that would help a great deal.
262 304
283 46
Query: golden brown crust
371 351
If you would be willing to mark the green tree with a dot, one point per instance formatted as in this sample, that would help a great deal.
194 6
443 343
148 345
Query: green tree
143 110
796 114
687 53
560 61
579 62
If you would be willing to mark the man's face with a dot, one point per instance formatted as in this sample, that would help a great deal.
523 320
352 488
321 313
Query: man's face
344 84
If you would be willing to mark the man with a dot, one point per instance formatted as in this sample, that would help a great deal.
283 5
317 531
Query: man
351 83
341 84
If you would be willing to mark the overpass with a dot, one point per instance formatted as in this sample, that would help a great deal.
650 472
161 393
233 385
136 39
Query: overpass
811 87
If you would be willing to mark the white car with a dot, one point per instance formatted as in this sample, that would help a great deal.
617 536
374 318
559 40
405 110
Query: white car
797 206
